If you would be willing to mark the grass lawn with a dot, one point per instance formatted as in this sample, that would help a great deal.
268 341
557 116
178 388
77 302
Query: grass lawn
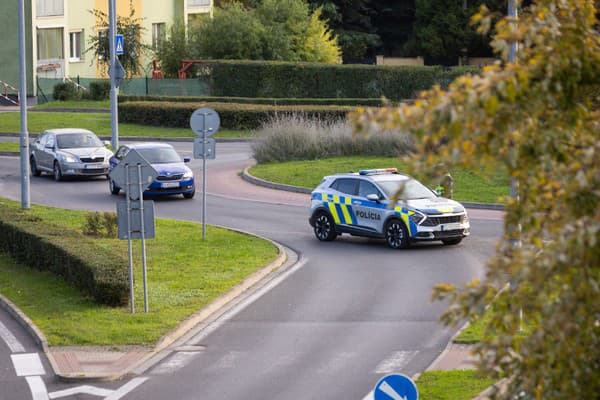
10 146
185 273
451 385
93 104
99 123
476 186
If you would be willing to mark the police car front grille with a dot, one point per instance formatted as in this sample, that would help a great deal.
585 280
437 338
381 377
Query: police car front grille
175 177
448 234
92 159
435 221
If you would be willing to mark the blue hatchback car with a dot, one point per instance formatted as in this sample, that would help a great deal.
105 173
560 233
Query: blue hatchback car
174 177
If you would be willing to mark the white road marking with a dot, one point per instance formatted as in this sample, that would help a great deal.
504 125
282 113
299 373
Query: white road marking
229 360
337 362
37 388
28 364
395 362
12 342
213 326
85 389
126 388
177 361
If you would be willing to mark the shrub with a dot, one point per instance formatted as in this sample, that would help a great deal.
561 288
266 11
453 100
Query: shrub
101 224
65 91
233 116
99 90
374 102
296 137
95 270
314 80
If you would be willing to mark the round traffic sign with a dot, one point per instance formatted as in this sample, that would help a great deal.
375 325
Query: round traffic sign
205 121
397 387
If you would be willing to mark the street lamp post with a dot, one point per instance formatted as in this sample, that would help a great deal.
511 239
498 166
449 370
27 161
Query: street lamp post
24 141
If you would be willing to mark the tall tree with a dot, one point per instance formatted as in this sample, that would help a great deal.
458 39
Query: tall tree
131 28
443 30
283 30
535 117
174 48
352 21
233 33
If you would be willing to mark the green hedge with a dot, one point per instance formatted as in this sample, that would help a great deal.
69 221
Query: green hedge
250 100
269 79
63 251
233 116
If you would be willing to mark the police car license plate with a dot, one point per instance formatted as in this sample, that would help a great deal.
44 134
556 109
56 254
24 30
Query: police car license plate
170 184
449 227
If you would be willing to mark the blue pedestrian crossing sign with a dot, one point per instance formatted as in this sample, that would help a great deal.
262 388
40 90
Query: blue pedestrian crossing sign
395 387
119 46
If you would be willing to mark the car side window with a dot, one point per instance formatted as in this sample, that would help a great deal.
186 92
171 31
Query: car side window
42 140
49 141
365 188
121 153
345 185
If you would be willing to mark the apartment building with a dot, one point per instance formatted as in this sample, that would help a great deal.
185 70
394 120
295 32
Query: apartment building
58 33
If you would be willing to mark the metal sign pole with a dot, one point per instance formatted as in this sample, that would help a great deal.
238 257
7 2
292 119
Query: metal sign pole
112 27
25 186
129 250
143 234
204 178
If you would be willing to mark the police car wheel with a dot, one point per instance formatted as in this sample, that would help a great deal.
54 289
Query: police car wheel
449 242
396 234
324 227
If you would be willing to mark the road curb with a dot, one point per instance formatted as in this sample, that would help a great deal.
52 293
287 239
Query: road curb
272 185
297 189
29 326
169 338
141 139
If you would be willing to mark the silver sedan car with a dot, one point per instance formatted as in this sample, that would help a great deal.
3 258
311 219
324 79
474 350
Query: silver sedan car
73 152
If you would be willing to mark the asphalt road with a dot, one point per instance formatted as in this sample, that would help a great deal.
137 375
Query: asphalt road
350 312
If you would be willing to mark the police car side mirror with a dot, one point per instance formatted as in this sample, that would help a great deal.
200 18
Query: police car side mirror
373 197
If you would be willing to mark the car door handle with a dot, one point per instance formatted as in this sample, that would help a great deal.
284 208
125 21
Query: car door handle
357 203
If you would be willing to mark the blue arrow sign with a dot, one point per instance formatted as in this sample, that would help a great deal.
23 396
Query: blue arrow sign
119 45
395 387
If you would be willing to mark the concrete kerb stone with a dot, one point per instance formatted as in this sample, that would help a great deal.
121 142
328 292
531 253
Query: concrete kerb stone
29 326
138 139
272 185
168 339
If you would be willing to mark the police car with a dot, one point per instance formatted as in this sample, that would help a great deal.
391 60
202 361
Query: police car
360 204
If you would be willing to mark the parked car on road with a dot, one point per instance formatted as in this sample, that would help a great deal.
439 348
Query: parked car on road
174 177
70 151
361 204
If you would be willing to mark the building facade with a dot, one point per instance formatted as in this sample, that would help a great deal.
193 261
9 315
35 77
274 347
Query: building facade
58 33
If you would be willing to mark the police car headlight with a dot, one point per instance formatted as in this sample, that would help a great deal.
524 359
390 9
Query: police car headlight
417 217
188 175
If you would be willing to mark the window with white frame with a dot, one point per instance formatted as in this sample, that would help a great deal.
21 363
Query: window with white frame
75 53
158 34
198 3
50 8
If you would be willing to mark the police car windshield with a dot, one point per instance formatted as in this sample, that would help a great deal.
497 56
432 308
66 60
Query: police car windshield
412 189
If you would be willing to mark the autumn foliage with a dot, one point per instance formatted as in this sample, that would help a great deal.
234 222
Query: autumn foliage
535 116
